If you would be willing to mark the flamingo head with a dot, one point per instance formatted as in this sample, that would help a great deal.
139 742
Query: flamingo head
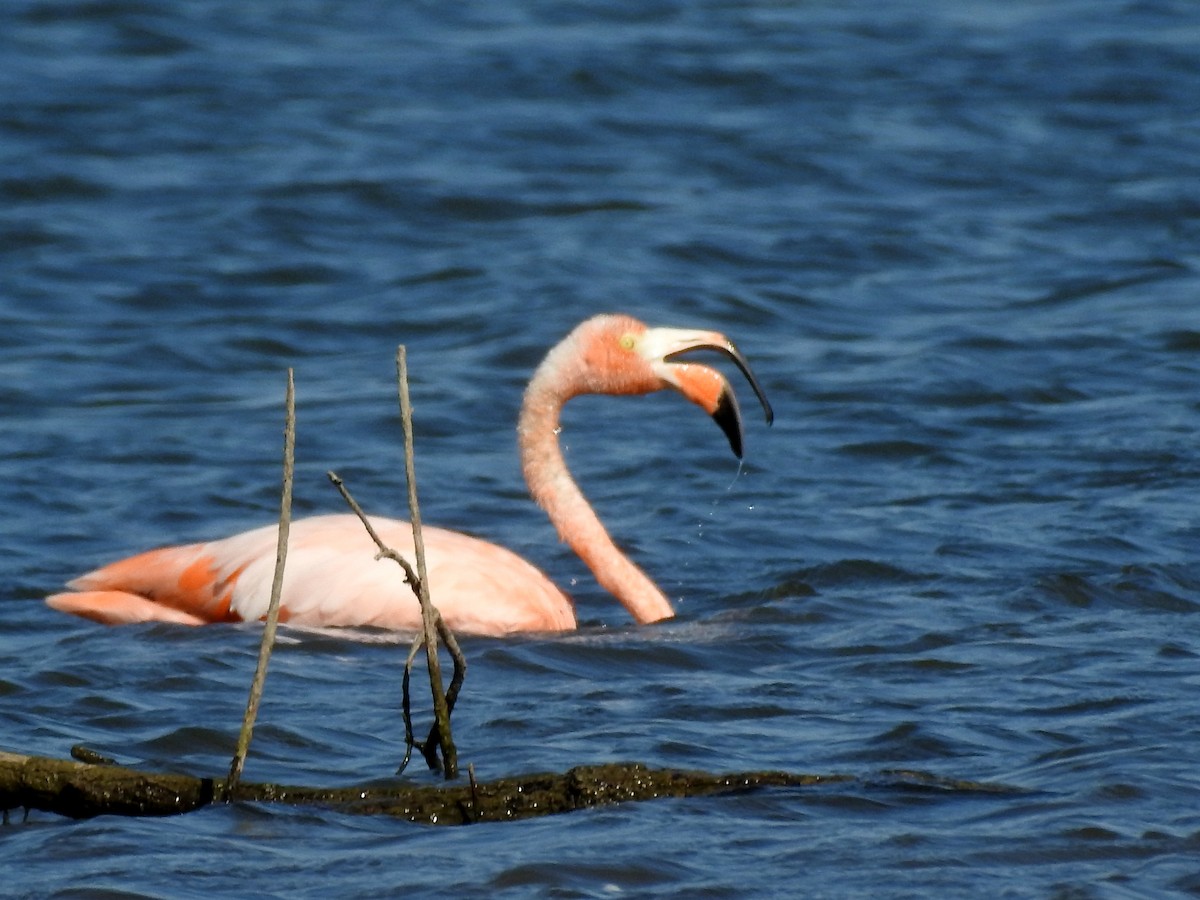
621 355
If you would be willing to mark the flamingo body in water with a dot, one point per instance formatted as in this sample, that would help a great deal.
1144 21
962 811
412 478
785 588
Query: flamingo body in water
332 578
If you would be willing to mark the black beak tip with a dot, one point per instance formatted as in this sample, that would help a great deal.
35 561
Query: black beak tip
730 420
726 413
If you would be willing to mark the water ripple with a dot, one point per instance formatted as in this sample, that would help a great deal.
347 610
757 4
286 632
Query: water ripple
958 246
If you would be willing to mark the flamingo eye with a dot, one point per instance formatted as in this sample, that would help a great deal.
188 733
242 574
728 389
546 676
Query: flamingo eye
627 341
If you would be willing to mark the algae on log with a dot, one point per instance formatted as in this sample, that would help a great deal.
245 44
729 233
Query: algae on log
83 789
509 799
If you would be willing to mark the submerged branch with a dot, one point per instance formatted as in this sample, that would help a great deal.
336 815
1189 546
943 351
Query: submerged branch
429 747
82 790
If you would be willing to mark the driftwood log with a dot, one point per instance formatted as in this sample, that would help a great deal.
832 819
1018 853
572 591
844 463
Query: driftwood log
85 789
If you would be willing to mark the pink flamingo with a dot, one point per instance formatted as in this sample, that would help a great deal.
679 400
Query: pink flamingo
331 577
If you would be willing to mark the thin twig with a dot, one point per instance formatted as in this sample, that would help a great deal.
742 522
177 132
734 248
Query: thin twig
474 791
432 623
460 662
406 705
429 617
268 636
428 748
456 680
385 552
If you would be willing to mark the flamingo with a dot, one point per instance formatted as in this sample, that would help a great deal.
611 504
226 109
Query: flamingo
331 578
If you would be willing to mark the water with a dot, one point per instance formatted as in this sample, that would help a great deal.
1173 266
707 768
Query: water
957 242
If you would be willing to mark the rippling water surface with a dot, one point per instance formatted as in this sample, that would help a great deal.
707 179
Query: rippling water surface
958 242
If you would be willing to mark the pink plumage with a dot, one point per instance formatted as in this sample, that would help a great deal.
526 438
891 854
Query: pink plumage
332 577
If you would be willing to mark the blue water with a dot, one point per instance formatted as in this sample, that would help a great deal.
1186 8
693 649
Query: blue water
958 242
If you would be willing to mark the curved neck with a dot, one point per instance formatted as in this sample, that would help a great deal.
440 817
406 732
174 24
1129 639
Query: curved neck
555 491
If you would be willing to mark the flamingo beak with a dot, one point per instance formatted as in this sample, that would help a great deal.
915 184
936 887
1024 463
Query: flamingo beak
704 386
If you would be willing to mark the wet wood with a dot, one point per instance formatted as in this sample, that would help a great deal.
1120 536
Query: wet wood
82 790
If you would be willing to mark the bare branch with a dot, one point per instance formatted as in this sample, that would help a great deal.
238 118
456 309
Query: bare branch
429 615
268 636
456 680
406 705
385 552
429 747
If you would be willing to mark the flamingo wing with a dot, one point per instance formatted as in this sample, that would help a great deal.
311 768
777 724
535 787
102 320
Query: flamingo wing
331 579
